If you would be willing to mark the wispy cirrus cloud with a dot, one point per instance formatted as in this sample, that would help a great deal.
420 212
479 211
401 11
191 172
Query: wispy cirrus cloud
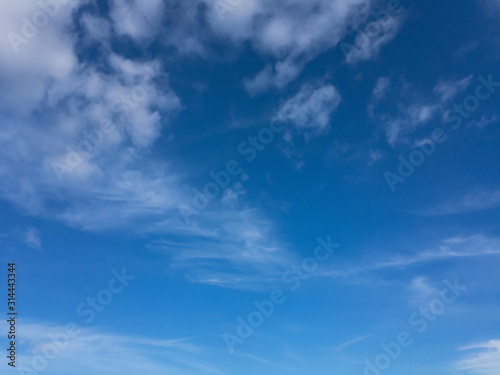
351 342
448 249
475 201
484 361
240 251
92 351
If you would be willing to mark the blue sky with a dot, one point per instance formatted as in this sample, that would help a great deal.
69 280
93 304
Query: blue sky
251 187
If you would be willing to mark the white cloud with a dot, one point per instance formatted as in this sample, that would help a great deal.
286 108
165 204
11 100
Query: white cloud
311 107
92 351
455 247
289 28
72 109
278 77
410 118
375 156
292 32
65 102
380 88
485 121
421 291
411 110
378 93
485 360
140 20
475 201
446 250
352 342
32 238
366 47
114 183
237 248
96 28
169 22
48 46
448 90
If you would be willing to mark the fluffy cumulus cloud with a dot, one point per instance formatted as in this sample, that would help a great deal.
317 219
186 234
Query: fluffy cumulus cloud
172 22
77 139
32 35
288 28
71 128
291 33
78 134
137 19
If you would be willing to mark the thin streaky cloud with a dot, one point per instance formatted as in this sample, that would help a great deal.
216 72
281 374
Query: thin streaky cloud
485 360
447 249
